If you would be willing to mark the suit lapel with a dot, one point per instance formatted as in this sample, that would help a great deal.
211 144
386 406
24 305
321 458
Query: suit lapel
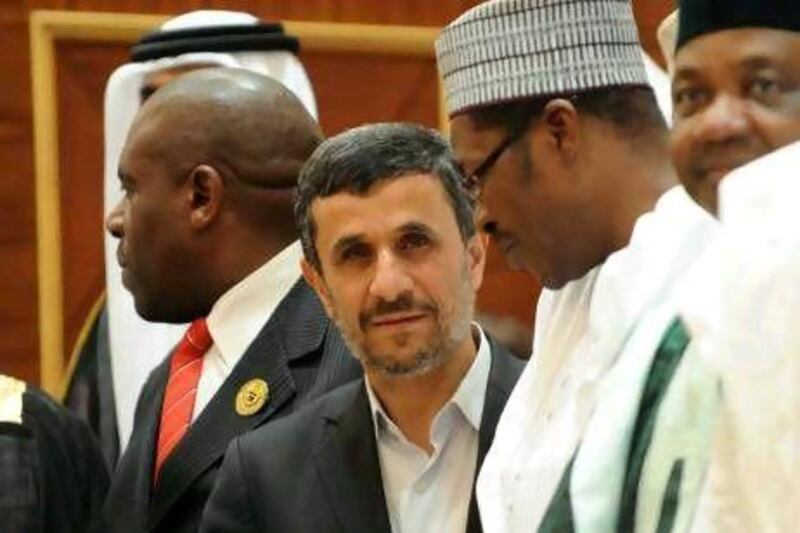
348 465
296 328
138 460
503 376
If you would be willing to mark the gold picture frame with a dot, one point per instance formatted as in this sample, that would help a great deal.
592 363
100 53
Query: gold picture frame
46 28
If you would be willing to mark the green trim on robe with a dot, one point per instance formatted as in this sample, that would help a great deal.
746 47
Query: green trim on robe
669 507
558 518
665 363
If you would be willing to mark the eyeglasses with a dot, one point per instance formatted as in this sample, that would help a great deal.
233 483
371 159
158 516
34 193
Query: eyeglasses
474 182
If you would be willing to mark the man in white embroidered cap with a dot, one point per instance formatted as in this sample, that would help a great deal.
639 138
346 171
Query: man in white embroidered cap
553 119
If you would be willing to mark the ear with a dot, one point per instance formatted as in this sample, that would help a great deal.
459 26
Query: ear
476 258
314 278
560 120
206 190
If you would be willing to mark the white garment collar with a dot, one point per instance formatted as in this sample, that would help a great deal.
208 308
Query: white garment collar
630 278
240 313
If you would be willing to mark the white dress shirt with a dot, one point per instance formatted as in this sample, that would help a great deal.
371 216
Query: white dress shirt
239 315
432 493
580 330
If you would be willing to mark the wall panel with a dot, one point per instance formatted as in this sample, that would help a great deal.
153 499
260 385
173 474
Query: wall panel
18 315
82 70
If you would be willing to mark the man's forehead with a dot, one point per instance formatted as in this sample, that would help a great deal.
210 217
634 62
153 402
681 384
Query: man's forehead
387 206
471 142
465 131
131 151
740 48
143 146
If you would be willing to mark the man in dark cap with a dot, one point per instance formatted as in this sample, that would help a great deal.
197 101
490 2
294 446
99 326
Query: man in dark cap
737 100
736 89
206 235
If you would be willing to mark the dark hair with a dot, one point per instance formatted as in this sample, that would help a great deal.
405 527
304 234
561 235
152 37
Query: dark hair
632 109
357 159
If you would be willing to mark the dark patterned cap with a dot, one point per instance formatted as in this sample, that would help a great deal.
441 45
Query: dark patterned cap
699 17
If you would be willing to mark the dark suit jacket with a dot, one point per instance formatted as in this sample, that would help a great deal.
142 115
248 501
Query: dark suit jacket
300 355
318 471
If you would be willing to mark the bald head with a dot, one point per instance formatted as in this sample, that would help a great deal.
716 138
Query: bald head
248 125
209 170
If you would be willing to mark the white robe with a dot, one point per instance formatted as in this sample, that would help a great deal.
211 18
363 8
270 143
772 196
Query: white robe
749 322
684 422
730 413
579 332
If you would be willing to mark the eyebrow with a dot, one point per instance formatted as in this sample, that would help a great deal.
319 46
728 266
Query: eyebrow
347 241
746 64
755 62
408 227
418 227
687 73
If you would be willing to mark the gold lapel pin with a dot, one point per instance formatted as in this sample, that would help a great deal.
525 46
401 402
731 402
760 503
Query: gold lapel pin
251 397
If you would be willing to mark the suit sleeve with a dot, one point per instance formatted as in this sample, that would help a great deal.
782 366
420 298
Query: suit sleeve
228 509
73 471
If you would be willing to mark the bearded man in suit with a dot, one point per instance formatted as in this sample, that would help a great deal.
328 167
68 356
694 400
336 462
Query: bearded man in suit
390 247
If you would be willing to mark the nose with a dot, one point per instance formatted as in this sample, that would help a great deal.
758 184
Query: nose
725 119
484 221
390 280
114 221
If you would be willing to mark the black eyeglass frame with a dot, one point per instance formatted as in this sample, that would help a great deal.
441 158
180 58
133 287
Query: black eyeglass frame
474 182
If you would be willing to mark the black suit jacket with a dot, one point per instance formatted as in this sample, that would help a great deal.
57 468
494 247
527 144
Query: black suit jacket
53 477
300 355
318 471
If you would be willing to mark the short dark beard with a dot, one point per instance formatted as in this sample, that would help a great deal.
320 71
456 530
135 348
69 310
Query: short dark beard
427 358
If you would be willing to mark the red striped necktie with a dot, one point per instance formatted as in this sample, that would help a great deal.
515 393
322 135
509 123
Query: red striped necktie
184 375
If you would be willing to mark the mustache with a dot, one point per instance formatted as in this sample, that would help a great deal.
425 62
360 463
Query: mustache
729 154
405 302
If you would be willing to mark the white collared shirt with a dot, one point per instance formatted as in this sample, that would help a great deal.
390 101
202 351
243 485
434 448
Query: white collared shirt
432 493
239 315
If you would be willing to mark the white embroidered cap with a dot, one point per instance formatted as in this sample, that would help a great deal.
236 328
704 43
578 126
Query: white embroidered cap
509 49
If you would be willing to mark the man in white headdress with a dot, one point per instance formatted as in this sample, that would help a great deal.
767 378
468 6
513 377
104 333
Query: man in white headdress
187 42
553 115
